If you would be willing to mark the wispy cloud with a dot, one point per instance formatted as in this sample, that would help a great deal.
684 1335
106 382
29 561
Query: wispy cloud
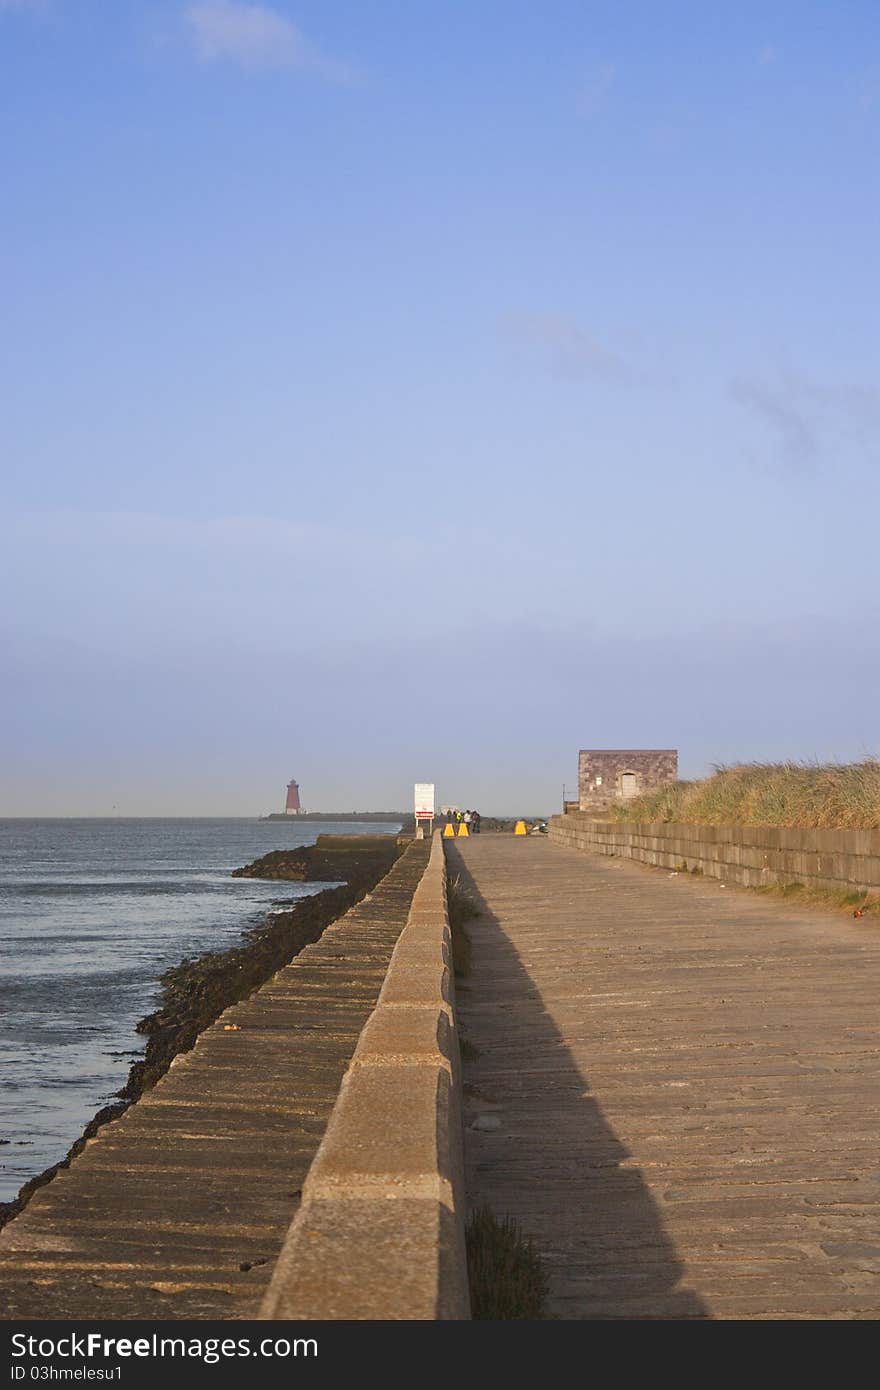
804 414
779 407
767 54
567 350
594 88
255 37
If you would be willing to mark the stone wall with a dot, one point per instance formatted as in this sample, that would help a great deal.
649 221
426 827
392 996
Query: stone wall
380 1233
606 775
752 855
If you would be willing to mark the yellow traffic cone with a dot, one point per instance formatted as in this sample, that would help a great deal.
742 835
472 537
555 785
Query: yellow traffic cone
462 829
448 830
520 828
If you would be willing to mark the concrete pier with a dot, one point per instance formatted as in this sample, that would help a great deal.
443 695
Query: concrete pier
677 1087
673 1086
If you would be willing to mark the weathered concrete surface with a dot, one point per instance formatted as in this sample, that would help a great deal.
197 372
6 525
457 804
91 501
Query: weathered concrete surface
179 1208
687 1079
380 1233
752 855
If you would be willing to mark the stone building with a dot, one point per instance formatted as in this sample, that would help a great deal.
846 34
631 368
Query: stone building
606 775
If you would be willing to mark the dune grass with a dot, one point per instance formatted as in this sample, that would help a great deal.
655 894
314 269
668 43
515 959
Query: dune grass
828 796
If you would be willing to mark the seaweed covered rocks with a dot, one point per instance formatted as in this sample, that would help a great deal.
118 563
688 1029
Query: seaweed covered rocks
332 859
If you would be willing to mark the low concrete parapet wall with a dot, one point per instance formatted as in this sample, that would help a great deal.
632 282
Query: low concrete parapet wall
380 1233
754 855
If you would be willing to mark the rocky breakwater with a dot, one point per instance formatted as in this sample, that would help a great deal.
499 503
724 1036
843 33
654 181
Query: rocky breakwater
332 859
195 992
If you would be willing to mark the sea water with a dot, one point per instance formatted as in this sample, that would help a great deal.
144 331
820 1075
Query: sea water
91 913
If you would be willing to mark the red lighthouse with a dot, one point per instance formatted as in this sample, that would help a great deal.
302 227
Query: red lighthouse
292 807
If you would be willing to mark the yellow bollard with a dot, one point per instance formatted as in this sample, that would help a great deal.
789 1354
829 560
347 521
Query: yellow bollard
448 830
520 828
462 829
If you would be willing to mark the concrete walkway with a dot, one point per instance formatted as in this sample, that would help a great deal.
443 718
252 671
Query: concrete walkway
687 1080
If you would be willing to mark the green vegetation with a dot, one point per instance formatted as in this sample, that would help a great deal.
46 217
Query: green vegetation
859 903
829 796
462 905
507 1278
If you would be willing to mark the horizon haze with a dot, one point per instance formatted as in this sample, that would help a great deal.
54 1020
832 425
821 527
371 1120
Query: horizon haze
425 393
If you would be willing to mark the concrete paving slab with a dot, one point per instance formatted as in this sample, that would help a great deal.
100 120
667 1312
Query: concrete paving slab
686 1081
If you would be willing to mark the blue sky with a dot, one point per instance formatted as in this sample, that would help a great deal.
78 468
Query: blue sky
424 391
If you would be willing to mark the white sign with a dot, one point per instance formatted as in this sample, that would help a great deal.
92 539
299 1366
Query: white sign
424 799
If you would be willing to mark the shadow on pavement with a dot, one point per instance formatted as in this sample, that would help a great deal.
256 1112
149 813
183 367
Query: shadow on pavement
544 1153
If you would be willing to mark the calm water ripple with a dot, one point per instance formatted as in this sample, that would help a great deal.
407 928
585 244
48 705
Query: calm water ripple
91 913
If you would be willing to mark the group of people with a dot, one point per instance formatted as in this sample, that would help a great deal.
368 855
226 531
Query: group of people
470 818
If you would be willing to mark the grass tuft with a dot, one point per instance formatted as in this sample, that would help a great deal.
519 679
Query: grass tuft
462 906
468 1052
858 902
507 1279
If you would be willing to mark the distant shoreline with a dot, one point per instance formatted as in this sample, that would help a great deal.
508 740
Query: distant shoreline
384 817
377 817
